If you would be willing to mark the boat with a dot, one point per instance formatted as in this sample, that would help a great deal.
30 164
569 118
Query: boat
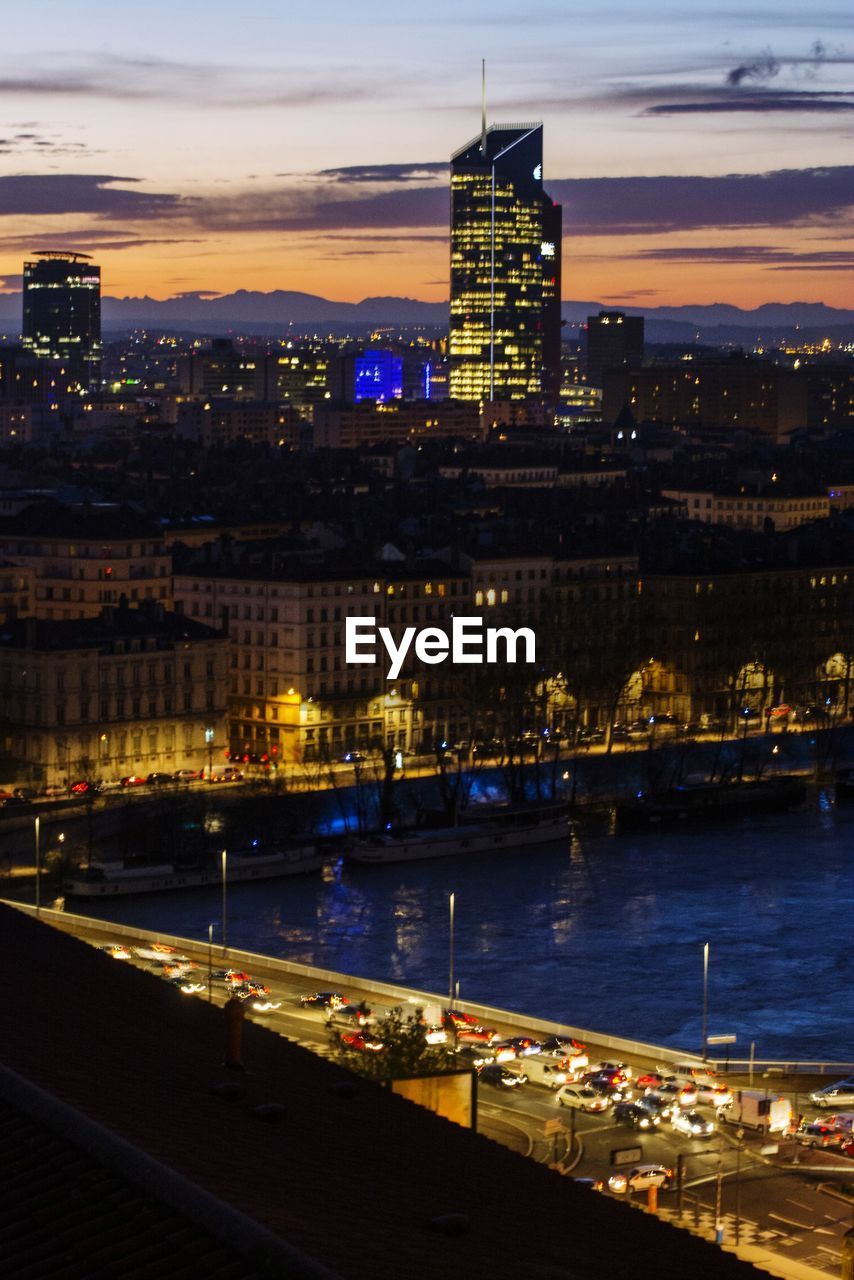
113 879
505 828
712 801
844 786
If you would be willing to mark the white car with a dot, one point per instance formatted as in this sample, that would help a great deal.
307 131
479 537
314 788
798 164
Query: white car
692 1124
640 1178
581 1098
840 1094
714 1095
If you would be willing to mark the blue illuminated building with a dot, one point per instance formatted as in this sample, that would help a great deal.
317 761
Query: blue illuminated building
378 375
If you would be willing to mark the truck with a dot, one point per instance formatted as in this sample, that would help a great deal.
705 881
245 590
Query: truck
753 1109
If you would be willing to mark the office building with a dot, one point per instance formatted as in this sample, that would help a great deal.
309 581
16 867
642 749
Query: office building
62 316
614 341
505 269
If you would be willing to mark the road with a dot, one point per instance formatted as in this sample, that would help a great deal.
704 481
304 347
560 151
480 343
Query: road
771 1205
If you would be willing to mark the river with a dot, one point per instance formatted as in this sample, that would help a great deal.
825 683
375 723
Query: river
605 933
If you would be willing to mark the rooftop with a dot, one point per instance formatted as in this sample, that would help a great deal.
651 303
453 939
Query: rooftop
351 1178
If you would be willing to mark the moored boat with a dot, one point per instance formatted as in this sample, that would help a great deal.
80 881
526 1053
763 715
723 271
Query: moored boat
712 801
111 879
510 828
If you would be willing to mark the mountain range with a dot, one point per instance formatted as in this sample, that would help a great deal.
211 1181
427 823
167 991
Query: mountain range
254 312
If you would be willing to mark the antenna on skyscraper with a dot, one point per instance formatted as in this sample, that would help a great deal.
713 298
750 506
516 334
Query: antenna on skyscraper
483 107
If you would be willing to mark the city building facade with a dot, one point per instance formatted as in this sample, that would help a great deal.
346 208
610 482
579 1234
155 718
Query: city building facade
62 316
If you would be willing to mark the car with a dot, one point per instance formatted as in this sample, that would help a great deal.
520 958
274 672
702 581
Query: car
499 1077
160 779
522 1046
323 1000
364 1041
714 1095
469 1055
502 1051
188 775
682 1095
565 1047
243 990
229 773
14 801
348 1015
818 1135
465 1026
260 1004
109 784
610 1083
840 1094
641 1178
231 977
186 986
592 1184
692 1124
133 780
352 757
84 787
650 1080
581 1098
117 950
639 1117
621 1069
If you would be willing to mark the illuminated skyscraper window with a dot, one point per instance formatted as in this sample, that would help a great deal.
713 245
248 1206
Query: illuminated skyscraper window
505 269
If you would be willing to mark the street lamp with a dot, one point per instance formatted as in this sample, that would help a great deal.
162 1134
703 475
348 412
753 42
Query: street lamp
451 904
209 742
705 1001
36 822
224 901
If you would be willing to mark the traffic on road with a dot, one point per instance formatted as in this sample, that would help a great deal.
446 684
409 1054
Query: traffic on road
716 1154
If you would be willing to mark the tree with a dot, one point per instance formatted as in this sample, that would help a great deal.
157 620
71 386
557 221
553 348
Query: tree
404 1053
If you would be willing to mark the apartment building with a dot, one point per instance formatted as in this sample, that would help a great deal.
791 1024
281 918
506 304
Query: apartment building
129 691
86 557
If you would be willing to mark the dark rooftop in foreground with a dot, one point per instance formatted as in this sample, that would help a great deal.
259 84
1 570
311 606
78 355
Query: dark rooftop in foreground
350 1179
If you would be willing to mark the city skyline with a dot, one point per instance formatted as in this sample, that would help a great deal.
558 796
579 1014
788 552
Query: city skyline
697 160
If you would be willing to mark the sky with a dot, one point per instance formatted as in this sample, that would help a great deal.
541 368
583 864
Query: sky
702 151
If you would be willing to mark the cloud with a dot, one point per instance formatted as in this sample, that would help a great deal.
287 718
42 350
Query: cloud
656 205
36 195
371 214
11 282
765 67
827 103
207 84
752 254
386 173
84 241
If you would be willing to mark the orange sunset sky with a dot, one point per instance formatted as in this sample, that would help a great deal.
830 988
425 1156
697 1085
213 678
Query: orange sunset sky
702 153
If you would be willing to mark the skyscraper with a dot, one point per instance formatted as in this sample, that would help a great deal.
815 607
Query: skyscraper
614 341
505 269
62 315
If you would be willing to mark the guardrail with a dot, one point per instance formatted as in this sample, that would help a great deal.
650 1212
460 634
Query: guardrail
489 1014
776 1066
619 1044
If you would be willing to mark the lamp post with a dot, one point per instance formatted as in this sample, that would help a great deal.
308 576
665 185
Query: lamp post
36 822
224 901
451 904
705 1001
209 741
